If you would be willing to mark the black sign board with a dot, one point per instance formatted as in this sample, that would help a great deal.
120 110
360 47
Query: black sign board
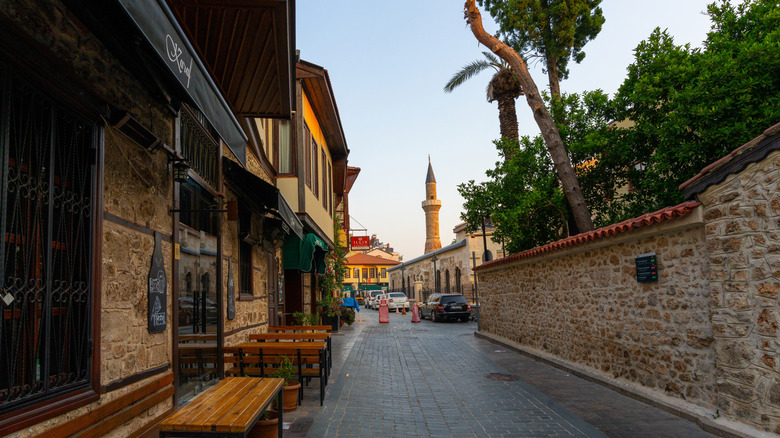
231 292
158 286
646 268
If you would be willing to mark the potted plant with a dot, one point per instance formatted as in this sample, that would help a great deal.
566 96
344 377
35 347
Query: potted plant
266 427
292 387
329 309
347 315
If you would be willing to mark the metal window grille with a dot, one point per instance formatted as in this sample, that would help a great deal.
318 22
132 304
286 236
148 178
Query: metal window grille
199 146
47 174
245 268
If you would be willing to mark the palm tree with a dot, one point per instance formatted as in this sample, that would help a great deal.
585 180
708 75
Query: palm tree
504 87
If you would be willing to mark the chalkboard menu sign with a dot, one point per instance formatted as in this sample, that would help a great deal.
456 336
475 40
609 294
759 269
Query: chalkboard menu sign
157 296
646 268
231 292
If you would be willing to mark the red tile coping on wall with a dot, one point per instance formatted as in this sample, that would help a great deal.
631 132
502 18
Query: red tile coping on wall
662 215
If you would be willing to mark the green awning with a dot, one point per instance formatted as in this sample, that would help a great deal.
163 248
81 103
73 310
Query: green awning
305 255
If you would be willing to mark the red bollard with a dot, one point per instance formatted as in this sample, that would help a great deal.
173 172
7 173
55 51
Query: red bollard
384 312
415 313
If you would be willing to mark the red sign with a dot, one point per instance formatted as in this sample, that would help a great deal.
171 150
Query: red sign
360 242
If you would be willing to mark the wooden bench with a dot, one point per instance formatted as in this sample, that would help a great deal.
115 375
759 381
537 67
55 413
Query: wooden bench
228 409
299 328
263 337
263 359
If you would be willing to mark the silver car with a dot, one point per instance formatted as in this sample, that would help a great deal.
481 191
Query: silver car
397 300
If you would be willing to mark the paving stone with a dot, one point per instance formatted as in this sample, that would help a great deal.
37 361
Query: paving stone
426 379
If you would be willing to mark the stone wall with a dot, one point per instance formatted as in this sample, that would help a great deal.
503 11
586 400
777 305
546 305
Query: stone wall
584 305
136 197
742 217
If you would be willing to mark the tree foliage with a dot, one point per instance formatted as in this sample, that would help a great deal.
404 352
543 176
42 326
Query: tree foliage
555 30
678 110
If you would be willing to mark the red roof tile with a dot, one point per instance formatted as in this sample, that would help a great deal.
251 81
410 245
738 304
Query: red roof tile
662 215
364 259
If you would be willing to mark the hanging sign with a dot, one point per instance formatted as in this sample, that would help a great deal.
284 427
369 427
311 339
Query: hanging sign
360 243
157 295
231 292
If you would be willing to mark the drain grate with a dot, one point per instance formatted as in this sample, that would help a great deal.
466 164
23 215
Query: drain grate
498 377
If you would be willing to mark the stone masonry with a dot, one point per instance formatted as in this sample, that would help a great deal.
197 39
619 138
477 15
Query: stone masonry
584 305
742 217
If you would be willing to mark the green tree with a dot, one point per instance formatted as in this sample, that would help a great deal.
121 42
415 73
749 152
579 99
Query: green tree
554 30
689 107
542 116
680 109
503 88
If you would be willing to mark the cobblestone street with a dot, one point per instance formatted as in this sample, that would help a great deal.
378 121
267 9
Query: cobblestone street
407 380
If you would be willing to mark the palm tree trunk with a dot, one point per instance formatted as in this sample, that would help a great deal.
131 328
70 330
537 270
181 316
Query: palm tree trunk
544 120
507 119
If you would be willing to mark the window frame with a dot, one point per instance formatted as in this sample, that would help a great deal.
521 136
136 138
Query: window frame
71 97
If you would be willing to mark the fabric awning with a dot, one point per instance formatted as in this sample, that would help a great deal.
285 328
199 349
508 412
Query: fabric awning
307 255
260 196
160 28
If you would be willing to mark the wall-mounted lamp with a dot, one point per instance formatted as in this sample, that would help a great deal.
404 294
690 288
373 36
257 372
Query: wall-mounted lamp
180 168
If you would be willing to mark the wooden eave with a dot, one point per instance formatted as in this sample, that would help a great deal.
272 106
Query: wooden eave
248 47
316 83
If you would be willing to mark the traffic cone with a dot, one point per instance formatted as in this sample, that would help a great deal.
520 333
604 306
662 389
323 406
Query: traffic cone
396 310
403 310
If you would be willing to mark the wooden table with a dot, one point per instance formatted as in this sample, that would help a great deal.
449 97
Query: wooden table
296 337
228 409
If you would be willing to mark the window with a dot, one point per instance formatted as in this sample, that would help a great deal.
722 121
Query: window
330 189
365 272
437 282
458 287
285 158
447 281
384 272
315 162
346 274
372 273
48 180
325 187
356 273
307 152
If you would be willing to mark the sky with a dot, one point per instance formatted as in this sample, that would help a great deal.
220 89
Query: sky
388 63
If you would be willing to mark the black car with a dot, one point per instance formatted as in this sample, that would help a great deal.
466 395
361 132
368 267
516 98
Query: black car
446 306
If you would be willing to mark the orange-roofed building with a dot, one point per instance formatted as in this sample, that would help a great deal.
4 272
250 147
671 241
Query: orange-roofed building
366 272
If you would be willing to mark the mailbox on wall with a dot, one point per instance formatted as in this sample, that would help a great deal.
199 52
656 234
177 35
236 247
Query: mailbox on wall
646 268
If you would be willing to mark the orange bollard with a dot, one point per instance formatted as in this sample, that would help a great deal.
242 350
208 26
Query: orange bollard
415 313
384 312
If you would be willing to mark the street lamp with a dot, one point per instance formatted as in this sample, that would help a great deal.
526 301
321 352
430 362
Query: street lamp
487 255
435 276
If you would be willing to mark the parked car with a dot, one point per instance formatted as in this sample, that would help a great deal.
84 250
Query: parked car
378 300
371 299
446 306
397 300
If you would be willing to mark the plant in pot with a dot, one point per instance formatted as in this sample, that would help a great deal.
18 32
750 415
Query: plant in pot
347 315
330 311
266 427
287 371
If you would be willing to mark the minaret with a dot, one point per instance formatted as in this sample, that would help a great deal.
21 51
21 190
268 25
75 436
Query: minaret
431 206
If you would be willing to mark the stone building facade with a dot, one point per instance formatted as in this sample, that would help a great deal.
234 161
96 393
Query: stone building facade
84 88
705 333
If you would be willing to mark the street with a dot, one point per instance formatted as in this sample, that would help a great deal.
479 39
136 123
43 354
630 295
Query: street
436 379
